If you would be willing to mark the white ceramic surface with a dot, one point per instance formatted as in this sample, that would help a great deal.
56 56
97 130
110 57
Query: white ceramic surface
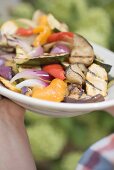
65 109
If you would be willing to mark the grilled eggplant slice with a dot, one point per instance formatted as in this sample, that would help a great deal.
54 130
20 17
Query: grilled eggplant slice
44 59
96 80
77 95
76 92
83 68
82 51
74 74
88 99
107 67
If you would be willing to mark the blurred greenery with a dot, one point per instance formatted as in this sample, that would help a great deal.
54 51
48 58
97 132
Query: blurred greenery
46 140
70 161
59 143
22 10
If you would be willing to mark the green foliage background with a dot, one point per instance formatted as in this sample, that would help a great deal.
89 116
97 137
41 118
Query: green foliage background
58 144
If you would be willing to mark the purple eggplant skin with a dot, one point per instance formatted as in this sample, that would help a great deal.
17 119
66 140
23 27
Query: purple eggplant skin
6 72
93 99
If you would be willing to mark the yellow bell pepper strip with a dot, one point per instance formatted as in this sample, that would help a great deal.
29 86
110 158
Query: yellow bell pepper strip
39 29
10 86
43 20
42 37
43 31
55 92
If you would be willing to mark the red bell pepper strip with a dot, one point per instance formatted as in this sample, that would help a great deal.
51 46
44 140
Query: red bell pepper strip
24 31
56 70
59 36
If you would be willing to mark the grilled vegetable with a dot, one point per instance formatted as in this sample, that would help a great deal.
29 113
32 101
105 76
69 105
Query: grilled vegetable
111 83
11 42
107 67
56 70
77 95
25 23
32 83
7 84
47 47
6 72
74 74
44 31
75 92
22 56
32 74
60 36
41 58
88 99
59 49
56 25
44 59
24 32
83 68
54 92
82 51
96 80
9 27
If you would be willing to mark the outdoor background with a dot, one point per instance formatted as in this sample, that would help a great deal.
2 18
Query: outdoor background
58 144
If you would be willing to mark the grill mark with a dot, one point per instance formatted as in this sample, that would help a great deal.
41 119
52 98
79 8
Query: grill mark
96 75
81 93
76 72
83 71
93 85
93 74
72 88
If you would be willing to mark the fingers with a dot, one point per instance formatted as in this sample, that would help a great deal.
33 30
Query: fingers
110 110
13 110
1 97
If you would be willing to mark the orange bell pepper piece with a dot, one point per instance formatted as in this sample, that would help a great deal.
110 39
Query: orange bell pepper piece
42 37
43 30
39 29
55 92
43 20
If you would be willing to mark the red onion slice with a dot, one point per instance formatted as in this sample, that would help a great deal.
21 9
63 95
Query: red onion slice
14 41
60 48
32 83
6 72
36 52
31 74
2 61
8 57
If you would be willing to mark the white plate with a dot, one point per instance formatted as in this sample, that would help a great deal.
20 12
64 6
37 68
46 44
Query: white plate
65 109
